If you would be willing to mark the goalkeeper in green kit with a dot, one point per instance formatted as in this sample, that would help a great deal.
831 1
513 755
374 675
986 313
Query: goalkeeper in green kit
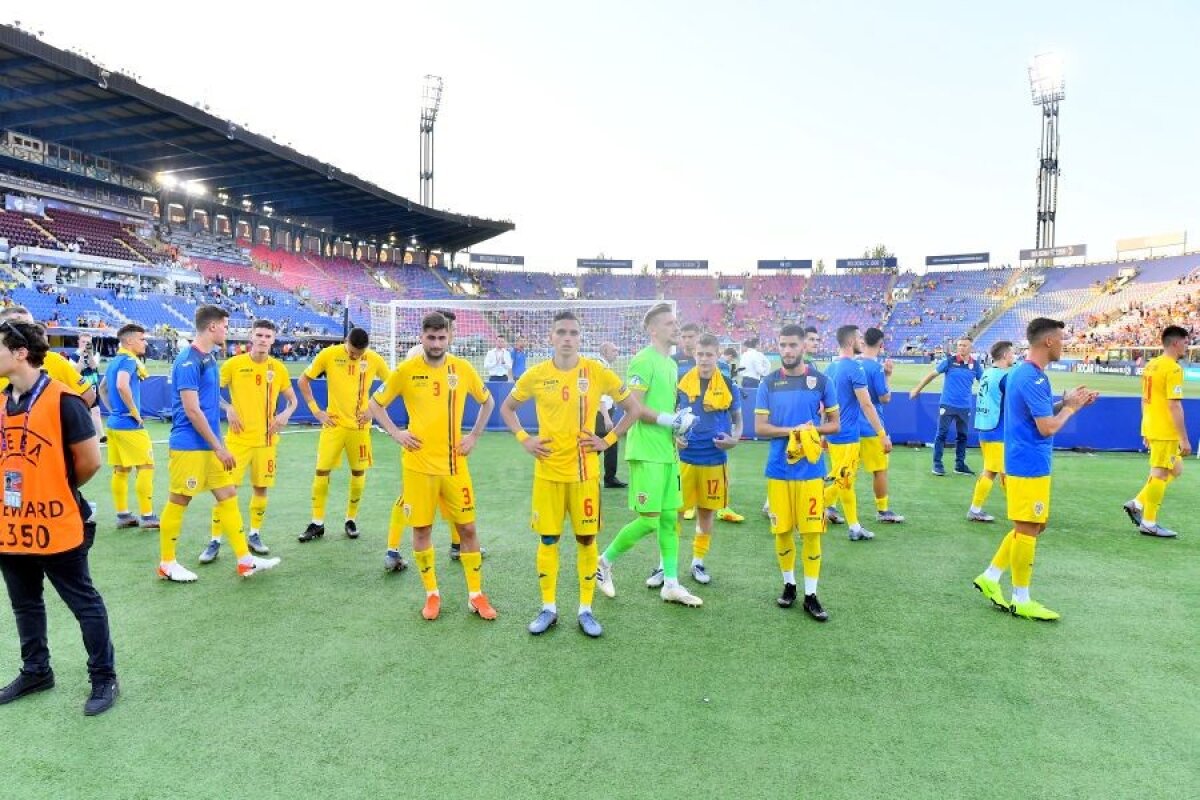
653 461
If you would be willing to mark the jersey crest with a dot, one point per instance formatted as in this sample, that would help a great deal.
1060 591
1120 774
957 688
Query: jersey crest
583 384
452 380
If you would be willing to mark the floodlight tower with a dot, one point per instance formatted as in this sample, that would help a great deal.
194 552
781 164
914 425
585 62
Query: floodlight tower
431 101
1048 90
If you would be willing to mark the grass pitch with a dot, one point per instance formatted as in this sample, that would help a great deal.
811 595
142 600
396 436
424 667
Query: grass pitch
321 680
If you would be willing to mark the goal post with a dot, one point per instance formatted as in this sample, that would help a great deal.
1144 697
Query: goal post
396 325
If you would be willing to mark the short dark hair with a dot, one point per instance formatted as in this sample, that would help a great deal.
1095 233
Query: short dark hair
792 329
435 321
730 351
846 335
708 340
208 314
965 338
751 342
873 337
449 315
13 311
566 314
264 323
1039 327
656 310
128 328
811 329
1172 334
1000 348
29 335
358 339
690 327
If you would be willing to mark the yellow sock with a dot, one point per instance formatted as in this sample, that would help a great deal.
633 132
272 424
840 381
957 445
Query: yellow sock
357 484
258 511
232 526
119 483
396 524
320 493
472 563
700 545
831 493
170 526
214 526
810 552
1022 559
1003 558
785 552
983 487
455 539
849 504
143 487
425 559
586 561
1156 490
1141 496
881 503
547 570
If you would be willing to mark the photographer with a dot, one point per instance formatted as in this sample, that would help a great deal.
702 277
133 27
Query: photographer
46 535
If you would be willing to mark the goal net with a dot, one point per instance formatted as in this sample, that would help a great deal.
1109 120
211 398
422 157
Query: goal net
396 325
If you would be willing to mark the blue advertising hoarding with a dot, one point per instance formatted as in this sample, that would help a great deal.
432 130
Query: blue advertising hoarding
804 263
866 263
958 258
603 263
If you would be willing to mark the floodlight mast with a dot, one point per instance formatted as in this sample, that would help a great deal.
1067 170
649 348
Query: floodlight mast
1047 88
431 101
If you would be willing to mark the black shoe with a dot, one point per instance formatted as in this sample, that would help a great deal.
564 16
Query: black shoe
455 551
963 469
104 694
813 606
616 483
26 683
788 598
351 529
313 531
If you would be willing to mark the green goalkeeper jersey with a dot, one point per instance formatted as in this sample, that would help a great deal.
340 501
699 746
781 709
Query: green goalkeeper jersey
653 376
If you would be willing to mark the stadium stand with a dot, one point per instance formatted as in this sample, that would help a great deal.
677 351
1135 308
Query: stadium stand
941 306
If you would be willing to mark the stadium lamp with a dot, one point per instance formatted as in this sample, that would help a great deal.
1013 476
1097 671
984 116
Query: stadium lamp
167 180
1046 83
194 189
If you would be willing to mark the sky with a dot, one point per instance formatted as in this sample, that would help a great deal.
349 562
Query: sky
727 131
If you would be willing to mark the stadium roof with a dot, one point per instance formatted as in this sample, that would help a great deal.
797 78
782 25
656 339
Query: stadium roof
67 99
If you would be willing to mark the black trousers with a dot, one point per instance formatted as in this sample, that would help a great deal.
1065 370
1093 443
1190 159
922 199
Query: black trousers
68 573
610 455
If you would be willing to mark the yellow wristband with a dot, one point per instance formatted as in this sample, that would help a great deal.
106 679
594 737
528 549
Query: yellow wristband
610 437
313 407
522 436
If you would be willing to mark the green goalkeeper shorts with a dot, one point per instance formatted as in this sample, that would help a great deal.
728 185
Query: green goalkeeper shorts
654 488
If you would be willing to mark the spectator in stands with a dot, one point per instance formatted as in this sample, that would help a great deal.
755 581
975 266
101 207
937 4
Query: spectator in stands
753 365
519 356
498 362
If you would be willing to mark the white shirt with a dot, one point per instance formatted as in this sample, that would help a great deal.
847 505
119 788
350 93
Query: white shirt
754 364
498 361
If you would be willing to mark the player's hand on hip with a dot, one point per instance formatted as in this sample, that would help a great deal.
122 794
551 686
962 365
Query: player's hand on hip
226 458
587 440
724 441
406 440
467 444
277 424
325 418
235 422
363 417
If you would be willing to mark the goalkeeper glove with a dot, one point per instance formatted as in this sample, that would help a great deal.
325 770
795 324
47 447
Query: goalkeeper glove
680 422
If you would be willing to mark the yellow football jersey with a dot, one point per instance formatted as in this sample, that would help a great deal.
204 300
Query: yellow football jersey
435 398
61 369
1162 382
567 403
347 382
254 390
